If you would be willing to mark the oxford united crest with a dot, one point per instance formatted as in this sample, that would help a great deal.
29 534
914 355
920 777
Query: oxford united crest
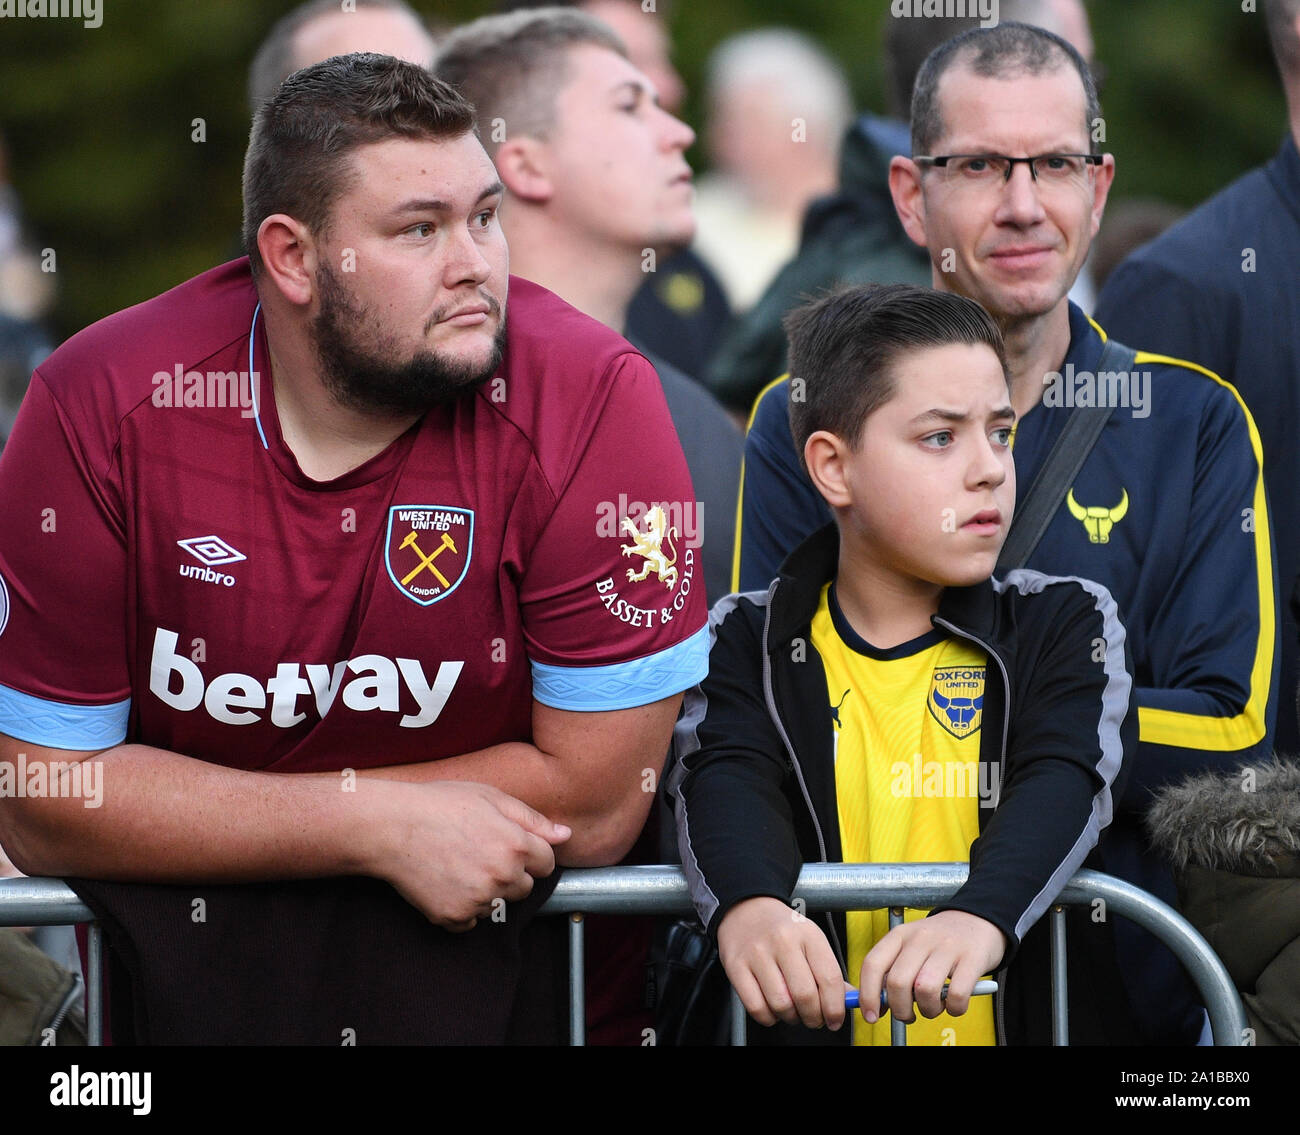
956 699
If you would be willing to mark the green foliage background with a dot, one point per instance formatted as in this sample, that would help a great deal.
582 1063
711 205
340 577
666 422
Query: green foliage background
99 121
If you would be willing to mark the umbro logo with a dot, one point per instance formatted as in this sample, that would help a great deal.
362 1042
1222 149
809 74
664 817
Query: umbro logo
209 551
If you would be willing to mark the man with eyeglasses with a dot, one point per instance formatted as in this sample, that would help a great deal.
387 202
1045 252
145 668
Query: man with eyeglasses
1167 509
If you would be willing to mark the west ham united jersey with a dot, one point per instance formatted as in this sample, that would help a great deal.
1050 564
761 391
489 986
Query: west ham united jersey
169 575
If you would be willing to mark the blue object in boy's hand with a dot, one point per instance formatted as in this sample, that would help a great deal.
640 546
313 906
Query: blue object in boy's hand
982 989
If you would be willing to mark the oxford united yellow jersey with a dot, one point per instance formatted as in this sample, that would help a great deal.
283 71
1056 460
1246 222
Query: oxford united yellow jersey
907 778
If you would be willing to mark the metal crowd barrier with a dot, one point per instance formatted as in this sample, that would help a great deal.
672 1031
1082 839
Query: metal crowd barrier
822 886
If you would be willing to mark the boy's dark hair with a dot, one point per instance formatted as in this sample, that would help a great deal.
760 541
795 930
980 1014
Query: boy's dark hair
1002 52
843 347
299 152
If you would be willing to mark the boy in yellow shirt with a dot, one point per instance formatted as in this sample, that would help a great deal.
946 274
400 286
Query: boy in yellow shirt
887 700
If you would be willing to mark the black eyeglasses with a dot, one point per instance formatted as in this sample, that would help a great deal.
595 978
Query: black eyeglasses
989 169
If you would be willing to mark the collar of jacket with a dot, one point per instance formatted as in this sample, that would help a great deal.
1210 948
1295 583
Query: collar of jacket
797 592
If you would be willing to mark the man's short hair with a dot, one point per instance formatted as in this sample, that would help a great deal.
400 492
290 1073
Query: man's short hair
843 348
512 67
275 61
1006 51
299 153
1281 18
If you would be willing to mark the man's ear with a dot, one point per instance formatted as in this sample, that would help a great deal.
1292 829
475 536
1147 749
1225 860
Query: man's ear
825 453
289 257
1103 177
909 201
522 166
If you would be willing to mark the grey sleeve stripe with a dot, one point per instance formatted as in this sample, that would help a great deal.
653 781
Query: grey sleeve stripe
1114 705
706 902
694 704
686 740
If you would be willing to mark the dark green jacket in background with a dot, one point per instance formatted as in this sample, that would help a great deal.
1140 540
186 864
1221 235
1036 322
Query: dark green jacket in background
36 993
851 237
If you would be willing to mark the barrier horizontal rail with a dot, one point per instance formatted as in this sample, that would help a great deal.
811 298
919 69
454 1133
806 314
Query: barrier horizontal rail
822 886
856 886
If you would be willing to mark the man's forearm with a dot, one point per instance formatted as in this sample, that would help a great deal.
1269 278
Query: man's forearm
599 780
450 849
165 817
601 823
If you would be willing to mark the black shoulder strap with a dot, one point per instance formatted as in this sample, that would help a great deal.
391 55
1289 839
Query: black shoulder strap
1036 508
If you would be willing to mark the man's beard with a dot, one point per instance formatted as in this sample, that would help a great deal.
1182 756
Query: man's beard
374 383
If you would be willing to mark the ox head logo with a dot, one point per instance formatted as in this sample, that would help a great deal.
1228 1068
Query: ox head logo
957 699
1097 520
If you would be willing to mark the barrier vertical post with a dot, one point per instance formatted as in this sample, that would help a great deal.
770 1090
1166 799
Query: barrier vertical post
1060 984
739 1021
577 983
897 1030
94 985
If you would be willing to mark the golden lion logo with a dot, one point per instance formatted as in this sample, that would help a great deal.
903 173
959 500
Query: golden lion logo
648 545
1096 519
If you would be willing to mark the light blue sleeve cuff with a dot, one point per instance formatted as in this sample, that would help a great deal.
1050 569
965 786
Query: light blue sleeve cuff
56 725
623 685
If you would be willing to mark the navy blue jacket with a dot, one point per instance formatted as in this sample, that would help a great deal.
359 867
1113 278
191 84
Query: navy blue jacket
1221 287
1187 556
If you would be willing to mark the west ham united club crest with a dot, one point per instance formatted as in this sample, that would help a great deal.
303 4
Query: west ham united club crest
427 549
956 699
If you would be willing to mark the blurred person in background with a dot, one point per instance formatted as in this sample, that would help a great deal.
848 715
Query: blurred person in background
777 109
680 312
649 46
315 31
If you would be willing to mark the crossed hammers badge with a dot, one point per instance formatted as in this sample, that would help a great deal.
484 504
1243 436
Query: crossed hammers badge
427 561
440 538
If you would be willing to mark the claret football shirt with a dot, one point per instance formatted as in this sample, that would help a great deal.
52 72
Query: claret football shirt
169 575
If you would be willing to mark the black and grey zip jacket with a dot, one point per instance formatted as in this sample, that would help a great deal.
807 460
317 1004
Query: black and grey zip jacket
753 775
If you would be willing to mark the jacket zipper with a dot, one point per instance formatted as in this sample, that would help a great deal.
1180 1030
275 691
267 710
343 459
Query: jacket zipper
999 998
65 1006
794 765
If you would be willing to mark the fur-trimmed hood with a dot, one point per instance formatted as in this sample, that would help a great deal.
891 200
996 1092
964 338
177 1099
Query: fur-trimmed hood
1246 821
